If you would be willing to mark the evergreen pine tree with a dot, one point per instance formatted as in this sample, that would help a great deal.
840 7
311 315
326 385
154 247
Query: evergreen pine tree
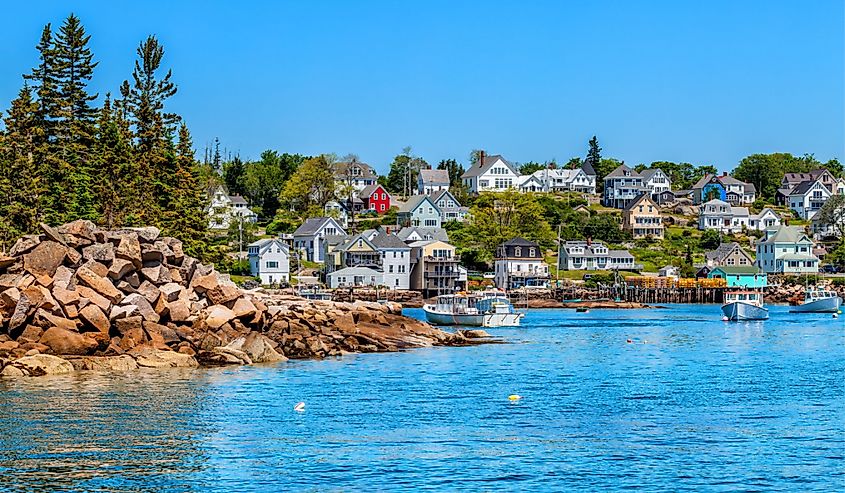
20 180
113 189
144 100
233 176
185 217
594 154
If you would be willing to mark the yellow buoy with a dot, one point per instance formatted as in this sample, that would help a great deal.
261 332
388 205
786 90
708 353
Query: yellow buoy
514 397
300 406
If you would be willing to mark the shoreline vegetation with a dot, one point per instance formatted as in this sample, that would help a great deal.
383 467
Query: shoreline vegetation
78 297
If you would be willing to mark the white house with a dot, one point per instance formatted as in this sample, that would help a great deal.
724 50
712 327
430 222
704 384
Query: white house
808 197
594 255
395 260
558 180
411 234
621 186
724 187
432 180
786 250
490 174
420 210
720 215
269 260
355 174
519 263
309 237
450 208
656 180
354 277
224 209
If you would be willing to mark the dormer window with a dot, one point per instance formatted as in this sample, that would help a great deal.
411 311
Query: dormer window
517 251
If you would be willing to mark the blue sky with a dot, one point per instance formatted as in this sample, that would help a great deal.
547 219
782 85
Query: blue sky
703 82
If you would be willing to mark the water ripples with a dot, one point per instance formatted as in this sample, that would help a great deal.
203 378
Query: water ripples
690 404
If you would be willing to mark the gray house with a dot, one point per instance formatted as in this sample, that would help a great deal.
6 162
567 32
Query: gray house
308 239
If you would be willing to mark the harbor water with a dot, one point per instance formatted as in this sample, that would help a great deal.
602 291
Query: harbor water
657 399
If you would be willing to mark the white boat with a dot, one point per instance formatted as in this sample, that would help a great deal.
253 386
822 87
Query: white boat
744 305
818 300
486 309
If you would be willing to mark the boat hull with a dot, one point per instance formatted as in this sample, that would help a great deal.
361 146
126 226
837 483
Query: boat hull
744 311
825 305
472 320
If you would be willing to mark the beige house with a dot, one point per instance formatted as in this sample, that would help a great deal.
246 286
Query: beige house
642 218
434 267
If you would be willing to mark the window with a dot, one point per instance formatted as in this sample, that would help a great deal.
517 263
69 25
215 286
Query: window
383 196
517 252
431 223
390 269
532 252
272 265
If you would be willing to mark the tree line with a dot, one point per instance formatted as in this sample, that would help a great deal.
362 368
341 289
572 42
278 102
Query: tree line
126 161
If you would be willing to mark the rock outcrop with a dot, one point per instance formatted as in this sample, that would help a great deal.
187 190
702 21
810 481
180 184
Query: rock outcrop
118 300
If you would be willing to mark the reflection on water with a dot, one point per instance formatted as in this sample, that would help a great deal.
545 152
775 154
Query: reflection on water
690 403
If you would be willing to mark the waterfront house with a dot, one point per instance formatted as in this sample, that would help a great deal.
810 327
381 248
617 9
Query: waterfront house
669 271
269 260
621 187
430 181
808 197
354 174
419 210
728 254
740 276
357 277
725 188
490 174
375 198
594 255
786 250
656 181
641 217
224 209
519 263
726 218
374 249
434 267
309 237
395 260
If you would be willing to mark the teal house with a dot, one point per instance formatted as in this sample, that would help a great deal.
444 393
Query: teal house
740 276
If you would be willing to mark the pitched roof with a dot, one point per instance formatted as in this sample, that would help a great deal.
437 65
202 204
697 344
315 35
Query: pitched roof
485 163
438 234
649 173
434 176
588 168
237 199
520 242
340 169
388 241
312 225
622 171
803 187
637 201
739 211
414 201
723 250
368 190
785 234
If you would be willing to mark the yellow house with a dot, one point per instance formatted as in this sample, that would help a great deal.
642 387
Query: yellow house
642 218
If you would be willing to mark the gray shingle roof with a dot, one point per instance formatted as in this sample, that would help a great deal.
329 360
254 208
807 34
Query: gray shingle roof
620 172
413 202
803 187
383 241
434 176
311 226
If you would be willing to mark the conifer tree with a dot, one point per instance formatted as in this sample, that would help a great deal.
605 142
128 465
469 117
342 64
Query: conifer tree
113 168
144 100
20 181
185 216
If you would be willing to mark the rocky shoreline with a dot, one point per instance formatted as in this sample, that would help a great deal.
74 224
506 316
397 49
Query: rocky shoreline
80 298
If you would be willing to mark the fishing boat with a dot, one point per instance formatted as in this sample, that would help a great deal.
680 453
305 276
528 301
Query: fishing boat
744 305
486 309
817 300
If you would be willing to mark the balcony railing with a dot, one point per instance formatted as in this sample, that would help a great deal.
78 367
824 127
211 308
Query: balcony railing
453 258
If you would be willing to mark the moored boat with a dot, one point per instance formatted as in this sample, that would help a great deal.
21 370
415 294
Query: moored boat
744 305
486 309
817 300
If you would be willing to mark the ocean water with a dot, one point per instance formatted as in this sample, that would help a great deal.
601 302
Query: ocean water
691 403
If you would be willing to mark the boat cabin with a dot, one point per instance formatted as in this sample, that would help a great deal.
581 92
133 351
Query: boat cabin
752 297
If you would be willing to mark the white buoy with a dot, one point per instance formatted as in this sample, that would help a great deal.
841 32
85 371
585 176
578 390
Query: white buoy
835 315
725 319
300 406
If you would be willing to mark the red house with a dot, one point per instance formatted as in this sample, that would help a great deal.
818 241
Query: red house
375 198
